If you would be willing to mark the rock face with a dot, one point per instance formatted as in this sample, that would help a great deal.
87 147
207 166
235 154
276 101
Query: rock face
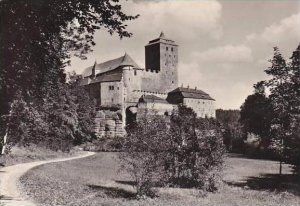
109 124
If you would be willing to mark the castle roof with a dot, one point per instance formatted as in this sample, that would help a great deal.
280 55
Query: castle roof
116 77
110 65
162 39
192 93
152 99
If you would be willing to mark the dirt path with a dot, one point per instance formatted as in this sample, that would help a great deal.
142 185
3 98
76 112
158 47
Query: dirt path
9 180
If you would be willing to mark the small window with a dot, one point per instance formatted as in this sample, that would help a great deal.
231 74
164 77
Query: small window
167 48
171 48
111 87
172 82
135 72
112 99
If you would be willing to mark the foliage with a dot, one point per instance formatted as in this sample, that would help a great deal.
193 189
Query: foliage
182 151
197 150
231 128
37 39
62 120
145 151
285 96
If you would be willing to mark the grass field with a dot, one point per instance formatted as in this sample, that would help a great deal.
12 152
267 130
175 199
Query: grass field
95 181
29 154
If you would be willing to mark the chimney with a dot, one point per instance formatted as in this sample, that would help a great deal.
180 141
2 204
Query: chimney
188 86
195 88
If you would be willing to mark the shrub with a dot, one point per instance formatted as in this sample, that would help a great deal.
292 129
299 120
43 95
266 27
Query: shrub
181 151
145 151
197 151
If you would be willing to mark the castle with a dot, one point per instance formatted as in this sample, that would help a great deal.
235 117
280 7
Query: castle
123 86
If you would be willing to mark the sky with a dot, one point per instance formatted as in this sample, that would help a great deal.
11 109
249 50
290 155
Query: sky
224 46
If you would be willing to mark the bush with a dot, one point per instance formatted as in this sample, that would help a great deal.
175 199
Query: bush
197 151
182 151
145 153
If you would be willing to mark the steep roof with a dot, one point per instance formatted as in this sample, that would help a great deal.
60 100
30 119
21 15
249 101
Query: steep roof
192 93
152 99
102 78
110 65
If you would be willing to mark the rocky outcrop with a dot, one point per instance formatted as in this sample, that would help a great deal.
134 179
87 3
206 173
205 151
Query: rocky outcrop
109 124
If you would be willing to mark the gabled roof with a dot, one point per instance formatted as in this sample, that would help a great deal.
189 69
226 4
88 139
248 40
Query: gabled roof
192 93
110 65
152 99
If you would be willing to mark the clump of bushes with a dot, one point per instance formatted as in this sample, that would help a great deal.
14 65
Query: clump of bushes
58 122
104 145
178 151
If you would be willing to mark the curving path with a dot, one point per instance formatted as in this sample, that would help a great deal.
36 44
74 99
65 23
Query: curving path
9 180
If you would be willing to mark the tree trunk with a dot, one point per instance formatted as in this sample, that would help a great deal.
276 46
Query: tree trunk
4 143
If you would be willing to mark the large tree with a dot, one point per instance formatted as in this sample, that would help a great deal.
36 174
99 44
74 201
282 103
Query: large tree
37 39
284 96
257 113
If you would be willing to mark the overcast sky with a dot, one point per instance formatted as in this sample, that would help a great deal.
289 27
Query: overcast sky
224 46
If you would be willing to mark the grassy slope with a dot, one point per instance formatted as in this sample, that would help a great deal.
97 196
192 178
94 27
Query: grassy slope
95 181
30 154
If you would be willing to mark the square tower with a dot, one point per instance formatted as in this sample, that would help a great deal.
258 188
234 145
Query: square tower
161 56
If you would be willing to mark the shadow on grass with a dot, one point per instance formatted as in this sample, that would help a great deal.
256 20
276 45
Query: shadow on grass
113 192
131 183
272 182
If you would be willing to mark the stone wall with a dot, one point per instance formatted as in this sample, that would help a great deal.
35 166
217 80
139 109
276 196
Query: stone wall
108 124
202 107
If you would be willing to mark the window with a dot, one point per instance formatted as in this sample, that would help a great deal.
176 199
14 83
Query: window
112 99
111 87
172 82
171 48
167 48
135 72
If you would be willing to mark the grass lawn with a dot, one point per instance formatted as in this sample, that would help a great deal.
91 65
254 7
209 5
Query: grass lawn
95 181
29 154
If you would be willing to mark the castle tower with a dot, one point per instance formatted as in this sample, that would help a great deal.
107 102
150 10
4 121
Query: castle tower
161 56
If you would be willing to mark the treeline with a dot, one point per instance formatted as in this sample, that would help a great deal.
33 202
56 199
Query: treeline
58 122
269 120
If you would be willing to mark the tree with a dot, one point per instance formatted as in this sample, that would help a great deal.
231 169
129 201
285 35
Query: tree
38 37
231 128
197 150
282 93
179 151
146 149
257 114
293 143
